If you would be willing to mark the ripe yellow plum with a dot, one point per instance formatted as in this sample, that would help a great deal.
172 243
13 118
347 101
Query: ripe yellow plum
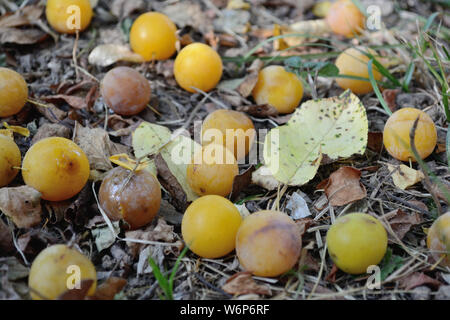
153 36
136 201
125 91
344 18
210 225
233 129
69 16
10 160
279 88
357 241
268 243
438 239
212 171
56 167
198 66
13 92
396 134
353 62
50 272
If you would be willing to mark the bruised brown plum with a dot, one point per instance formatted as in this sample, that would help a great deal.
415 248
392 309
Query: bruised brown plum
136 202
125 91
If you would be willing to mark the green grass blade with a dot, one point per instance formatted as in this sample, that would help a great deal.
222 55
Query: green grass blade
385 72
162 280
430 21
376 89
408 76
176 266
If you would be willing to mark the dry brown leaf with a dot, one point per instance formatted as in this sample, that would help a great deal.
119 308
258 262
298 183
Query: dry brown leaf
48 130
188 13
243 283
22 205
21 36
405 177
22 17
246 87
6 240
344 186
417 279
171 184
241 182
77 294
390 96
159 232
97 146
264 178
259 111
107 54
108 289
73 101
375 141
401 222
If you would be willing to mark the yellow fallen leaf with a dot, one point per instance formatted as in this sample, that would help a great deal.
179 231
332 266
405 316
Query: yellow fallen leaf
404 176
238 5
336 127
7 132
279 44
20 130
107 54
126 162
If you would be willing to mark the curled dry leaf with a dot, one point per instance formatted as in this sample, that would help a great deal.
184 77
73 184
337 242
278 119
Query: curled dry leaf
417 279
77 294
405 177
123 8
243 283
6 241
298 207
22 17
264 178
73 101
48 130
344 186
401 222
259 111
107 54
97 146
108 289
249 83
21 36
22 205
159 232
241 182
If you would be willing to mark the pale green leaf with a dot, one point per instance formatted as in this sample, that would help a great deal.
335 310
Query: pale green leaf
337 127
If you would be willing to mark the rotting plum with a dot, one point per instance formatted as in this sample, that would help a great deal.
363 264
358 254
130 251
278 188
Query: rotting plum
136 200
125 91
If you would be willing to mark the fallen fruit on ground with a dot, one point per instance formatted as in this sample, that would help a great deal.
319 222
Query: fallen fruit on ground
212 171
438 240
135 200
153 36
356 241
198 66
344 18
55 269
353 62
56 167
13 92
126 91
10 160
233 129
396 137
268 243
279 88
210 225
69 16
